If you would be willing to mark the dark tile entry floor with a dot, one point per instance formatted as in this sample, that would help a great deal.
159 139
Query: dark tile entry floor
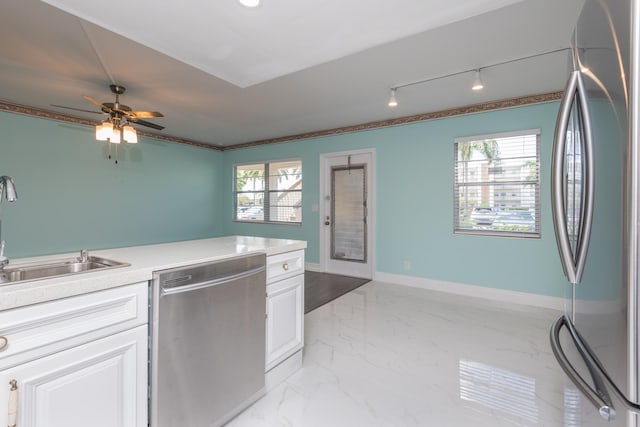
321 288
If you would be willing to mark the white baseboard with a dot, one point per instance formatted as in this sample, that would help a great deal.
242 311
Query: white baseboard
501 296
494 295
313 267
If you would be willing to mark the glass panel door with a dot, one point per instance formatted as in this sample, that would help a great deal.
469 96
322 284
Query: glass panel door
347 213
348 210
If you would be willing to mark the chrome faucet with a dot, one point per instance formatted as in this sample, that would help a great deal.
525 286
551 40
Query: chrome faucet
8 189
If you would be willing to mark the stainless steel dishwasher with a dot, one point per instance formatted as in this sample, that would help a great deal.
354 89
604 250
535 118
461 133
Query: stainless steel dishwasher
207 341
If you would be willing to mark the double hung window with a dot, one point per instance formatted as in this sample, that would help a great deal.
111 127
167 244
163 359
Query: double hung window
497 184
269 192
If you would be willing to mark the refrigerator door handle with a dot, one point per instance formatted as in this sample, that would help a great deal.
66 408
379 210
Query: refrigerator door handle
572 263
598 396
586 351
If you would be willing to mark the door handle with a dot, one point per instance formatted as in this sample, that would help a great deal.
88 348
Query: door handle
215 282
598 396
572 263
327 222
12 414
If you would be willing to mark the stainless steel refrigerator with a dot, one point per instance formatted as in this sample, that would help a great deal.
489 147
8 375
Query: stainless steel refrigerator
595 210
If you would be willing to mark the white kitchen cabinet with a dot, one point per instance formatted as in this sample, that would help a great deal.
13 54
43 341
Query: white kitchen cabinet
285 311
99 384
285 307
79 361
284 265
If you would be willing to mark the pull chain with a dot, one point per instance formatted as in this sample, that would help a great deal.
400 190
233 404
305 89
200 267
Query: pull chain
116 152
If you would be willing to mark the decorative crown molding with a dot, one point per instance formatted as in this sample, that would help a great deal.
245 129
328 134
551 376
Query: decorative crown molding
51 115
461 111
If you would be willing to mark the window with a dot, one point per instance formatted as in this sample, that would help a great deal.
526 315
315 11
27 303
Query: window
269 192
497 184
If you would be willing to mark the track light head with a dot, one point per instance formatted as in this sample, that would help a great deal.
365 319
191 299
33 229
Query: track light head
477 82
393 102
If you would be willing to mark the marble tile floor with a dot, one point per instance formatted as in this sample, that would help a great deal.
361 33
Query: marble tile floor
390 355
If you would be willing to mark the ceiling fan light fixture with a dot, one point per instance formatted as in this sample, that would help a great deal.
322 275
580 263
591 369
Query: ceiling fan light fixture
250 3
100 134
114 138
104 131
129 134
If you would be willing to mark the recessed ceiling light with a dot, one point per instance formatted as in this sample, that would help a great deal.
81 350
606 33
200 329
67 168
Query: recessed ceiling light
250 3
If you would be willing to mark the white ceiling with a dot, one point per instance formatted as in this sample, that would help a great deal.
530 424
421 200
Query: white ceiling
225 75
248 46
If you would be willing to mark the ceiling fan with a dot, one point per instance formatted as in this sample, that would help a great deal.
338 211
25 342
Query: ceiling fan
120 114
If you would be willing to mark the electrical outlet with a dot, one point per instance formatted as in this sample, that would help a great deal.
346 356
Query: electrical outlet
407 265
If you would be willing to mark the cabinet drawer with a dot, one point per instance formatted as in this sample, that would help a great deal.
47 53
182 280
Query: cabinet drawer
40 329
285 265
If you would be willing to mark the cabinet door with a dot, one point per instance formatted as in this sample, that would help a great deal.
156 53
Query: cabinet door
285 311
99 384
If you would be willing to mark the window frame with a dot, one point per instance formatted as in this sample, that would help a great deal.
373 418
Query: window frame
457 228
265 192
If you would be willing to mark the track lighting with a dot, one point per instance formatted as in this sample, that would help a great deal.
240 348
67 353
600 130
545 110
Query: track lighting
477 83
393 102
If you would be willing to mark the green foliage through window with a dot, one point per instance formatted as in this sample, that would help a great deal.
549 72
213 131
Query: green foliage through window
268 192
497 185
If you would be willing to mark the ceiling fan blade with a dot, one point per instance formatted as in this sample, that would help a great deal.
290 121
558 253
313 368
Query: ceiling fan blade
145 114
99 104
147 124
77 109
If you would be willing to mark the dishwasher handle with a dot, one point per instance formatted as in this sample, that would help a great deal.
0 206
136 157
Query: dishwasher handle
173 290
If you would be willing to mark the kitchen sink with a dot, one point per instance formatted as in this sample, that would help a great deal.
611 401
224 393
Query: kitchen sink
57 268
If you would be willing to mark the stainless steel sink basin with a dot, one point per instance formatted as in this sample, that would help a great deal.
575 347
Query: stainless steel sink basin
55 268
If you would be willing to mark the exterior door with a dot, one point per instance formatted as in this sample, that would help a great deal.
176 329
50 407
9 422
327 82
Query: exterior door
347 214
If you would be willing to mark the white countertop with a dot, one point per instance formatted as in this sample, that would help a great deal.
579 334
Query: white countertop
143 260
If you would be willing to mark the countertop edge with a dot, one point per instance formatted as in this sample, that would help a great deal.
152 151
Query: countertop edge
143 260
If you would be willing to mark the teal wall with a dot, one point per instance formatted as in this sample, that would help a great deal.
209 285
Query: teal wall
72 197
414 219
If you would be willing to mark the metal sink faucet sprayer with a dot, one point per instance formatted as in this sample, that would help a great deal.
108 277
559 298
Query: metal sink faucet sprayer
8 189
